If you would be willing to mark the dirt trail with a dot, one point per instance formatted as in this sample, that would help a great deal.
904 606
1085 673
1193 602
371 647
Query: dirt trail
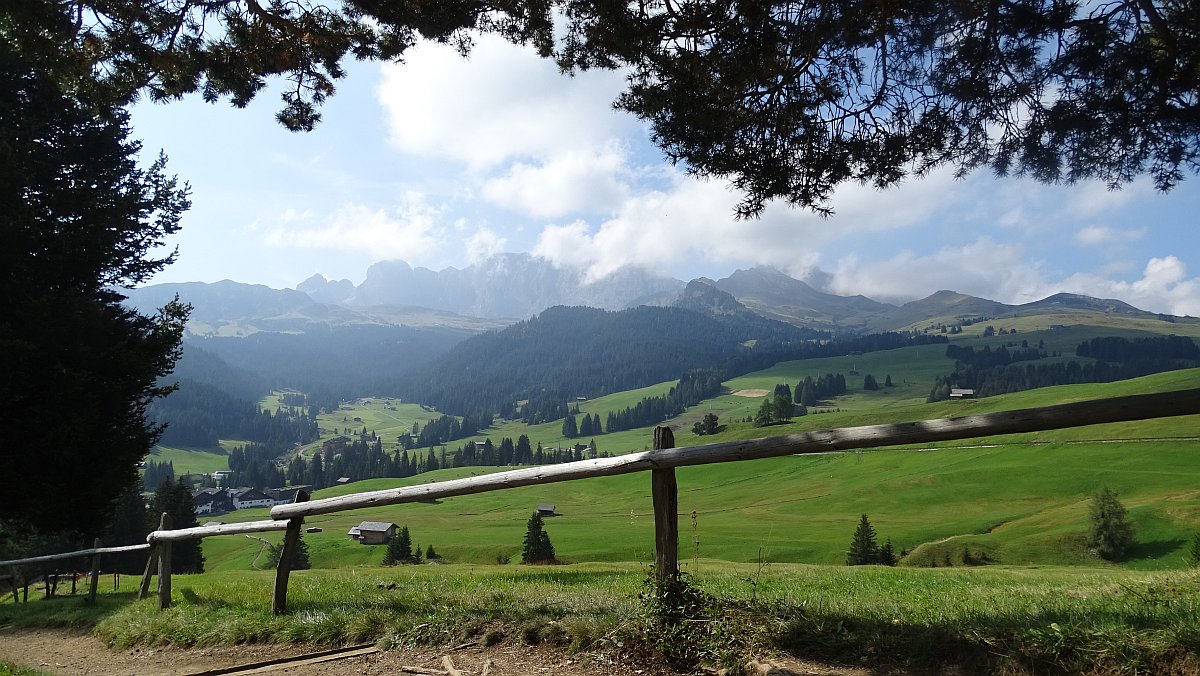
71 652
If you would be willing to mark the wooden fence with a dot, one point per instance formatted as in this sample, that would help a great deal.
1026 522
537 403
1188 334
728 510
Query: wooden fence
93 553
661 463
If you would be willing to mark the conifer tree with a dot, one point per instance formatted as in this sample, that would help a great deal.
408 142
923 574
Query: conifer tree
536 545
864 550
399 549
175 498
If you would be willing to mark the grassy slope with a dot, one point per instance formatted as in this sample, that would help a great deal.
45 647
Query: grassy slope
1022 499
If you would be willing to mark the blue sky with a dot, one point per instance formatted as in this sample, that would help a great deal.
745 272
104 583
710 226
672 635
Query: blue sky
442 161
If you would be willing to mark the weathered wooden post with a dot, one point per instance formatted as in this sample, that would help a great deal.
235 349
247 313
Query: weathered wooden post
152 562
16 581
95 572
291 540
164 566
665 493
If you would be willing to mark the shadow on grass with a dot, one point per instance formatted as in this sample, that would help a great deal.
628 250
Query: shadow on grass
1045 643
63 611
1155 549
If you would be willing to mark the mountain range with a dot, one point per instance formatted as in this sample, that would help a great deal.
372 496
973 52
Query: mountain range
511 287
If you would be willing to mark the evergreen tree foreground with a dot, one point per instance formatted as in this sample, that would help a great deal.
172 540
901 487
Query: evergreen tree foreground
537 548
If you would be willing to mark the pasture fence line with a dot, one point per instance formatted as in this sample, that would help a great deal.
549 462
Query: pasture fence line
93 553
661 463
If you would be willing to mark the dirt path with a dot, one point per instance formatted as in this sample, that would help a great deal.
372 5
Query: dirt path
70 653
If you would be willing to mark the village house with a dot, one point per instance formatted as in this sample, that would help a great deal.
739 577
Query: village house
373 532
546 509
212 501
285 496
245 498
961 393
335 444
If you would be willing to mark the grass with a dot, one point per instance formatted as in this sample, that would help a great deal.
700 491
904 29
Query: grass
1040 620
191 460
10 669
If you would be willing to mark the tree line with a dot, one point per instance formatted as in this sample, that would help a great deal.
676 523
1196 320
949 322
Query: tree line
1140 357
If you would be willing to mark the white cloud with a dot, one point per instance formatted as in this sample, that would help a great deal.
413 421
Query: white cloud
411 231
1163 287
691 220
984 268
1101 235
501 103
483 244
569 182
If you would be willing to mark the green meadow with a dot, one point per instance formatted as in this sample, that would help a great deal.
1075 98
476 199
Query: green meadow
965 620
1017 499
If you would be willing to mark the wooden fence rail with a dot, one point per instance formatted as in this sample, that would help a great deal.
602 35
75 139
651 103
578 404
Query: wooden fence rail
661 463
200 532
73 555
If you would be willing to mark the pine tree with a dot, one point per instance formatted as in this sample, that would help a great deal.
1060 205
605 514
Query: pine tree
570 428
431 555
399 549
300 559
887 554
536 545
175 498
864 550
1111 534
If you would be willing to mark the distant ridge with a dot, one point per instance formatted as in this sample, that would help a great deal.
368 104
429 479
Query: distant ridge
506 288
775 295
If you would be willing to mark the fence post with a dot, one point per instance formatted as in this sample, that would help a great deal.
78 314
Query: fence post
164 566
665 493
151 566
15 581
95 573
291 539
152 562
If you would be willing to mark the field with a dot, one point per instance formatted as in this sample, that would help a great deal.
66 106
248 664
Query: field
765 540
1020 499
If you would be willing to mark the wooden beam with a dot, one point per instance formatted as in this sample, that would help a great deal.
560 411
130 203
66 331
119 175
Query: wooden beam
1078 414
73 555
283 571
151 567
164 565
665 492
95 581
198 532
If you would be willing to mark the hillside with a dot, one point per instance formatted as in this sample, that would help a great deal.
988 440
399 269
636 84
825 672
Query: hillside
570 352
1020 500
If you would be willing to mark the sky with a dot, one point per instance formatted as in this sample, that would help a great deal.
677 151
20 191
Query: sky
443 161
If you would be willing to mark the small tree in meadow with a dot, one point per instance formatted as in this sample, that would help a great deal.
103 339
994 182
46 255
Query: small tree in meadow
1111 533
864 550
537 547
399 549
